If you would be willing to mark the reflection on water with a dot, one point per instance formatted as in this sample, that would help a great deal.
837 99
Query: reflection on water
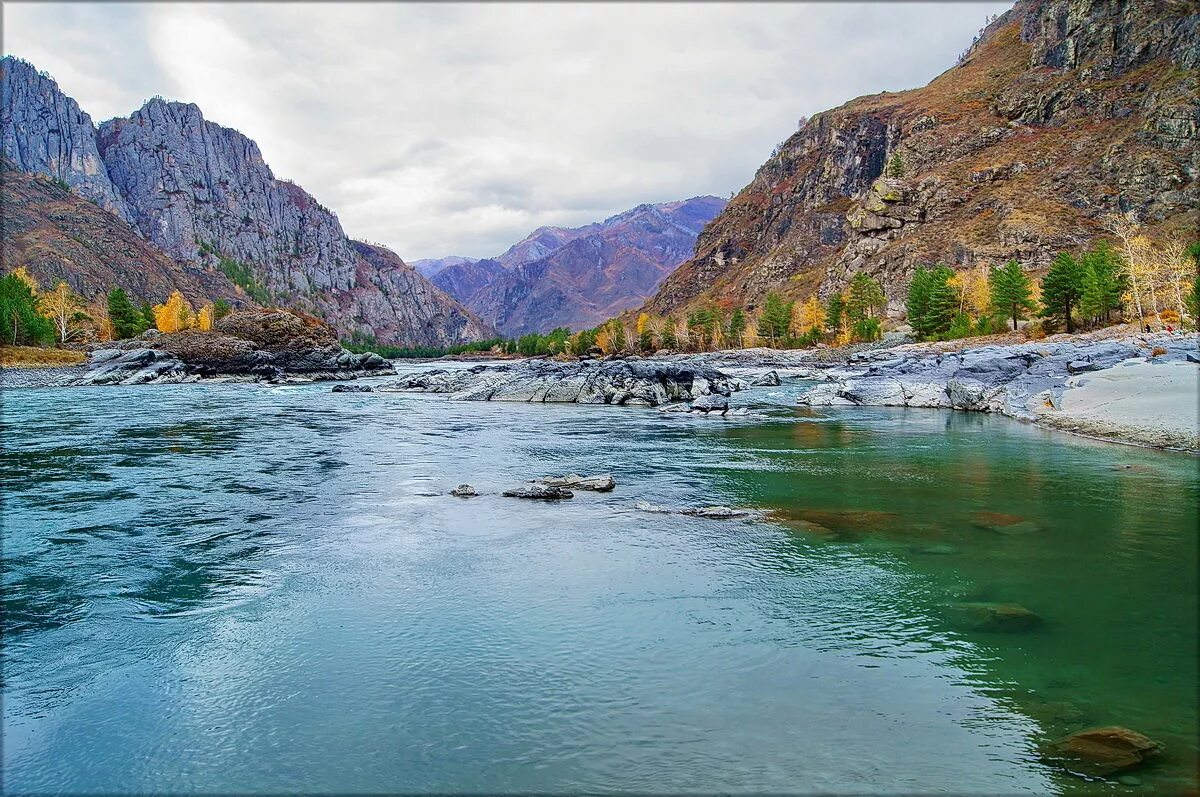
249 588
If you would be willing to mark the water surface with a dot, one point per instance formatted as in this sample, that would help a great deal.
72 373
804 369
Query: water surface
214 588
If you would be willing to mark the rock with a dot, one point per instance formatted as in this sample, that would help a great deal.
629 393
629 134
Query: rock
710 403
1104 751
716 512
539 491
939 549
1086 364
627 382
601 484
1001 617
352 389
464 491
1129 780
769 379
1001 523
646 506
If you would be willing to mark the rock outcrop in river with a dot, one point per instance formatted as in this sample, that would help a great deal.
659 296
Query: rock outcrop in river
646 383
252 345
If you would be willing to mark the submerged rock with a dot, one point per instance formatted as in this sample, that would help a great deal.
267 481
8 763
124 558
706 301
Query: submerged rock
352 389
1104 751
464 491
716 512
1001 617
539 491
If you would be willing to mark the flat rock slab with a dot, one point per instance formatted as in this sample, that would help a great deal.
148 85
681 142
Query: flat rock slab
603 483
1001 617
539 491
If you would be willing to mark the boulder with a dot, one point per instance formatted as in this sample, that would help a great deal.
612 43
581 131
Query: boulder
603 483
769 379
1104 751
352 389
539 491
710 403
464 491
716 512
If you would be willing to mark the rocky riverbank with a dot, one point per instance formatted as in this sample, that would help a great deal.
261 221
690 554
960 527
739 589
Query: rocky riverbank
246 346
627 382
1140 389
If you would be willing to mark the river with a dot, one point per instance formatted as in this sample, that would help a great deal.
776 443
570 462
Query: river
250 588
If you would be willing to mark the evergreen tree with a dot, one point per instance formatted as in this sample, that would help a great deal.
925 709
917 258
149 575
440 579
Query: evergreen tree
1011 291
669 340
864 300
1062 289
932 302
775 319
737 327
835 313
895 167
148 315
127 320
20 321
1105 282
221 308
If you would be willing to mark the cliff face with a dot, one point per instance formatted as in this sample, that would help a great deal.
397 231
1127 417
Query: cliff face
58 235
204 195
1062 112
581 276
43 131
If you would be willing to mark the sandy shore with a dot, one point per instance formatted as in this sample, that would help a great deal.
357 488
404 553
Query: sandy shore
1154 404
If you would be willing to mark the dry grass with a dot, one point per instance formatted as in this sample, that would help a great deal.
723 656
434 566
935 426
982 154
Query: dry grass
37 357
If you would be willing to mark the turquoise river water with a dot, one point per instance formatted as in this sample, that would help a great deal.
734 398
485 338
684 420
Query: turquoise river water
232 588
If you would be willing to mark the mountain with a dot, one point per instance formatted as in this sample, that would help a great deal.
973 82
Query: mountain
58 235
429 267
205 196
1061 112
578 277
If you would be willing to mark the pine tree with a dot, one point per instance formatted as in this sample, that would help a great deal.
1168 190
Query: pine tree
221 308
775 319
1011 291
127 320
895 167
1105 282
932 302
835 314
20 321
1062 289
737 327
864 300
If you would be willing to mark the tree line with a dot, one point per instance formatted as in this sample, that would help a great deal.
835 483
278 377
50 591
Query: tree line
30 316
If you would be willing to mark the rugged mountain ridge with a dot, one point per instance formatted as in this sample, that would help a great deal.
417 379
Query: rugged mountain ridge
578 277
204 195
1061 112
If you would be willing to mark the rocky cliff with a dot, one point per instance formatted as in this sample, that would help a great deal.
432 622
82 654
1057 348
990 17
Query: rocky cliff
1061 112
578 277
204 195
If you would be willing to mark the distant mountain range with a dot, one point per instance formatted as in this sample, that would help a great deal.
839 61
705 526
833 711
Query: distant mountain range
576 277
180 202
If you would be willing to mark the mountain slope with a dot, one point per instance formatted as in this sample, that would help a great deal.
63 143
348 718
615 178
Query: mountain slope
578 277
204 195
430 266
1063 111
58 235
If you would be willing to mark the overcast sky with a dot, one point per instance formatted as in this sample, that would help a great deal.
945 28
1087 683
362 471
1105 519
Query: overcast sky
445 129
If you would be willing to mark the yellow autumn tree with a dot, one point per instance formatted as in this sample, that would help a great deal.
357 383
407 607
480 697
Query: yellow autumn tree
21 273
974 295
174 314
62 306
809 316
1125 227
204 318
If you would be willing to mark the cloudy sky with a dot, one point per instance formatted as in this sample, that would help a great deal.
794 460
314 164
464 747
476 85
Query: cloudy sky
444 129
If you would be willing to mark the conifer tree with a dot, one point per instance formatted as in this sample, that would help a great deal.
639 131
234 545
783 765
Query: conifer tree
1062 289
737 327
127 320
1011 291
775 319
1105 282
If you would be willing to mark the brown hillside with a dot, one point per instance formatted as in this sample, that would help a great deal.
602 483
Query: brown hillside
1061 113
58 235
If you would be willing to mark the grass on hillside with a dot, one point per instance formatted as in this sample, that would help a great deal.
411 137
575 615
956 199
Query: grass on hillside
37 357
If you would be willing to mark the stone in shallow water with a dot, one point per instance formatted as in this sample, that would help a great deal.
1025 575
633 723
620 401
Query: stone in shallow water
352 389
937 550
603 483
769 379
1104 751
716 512
464 491
1005 617
1001 523
539 491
